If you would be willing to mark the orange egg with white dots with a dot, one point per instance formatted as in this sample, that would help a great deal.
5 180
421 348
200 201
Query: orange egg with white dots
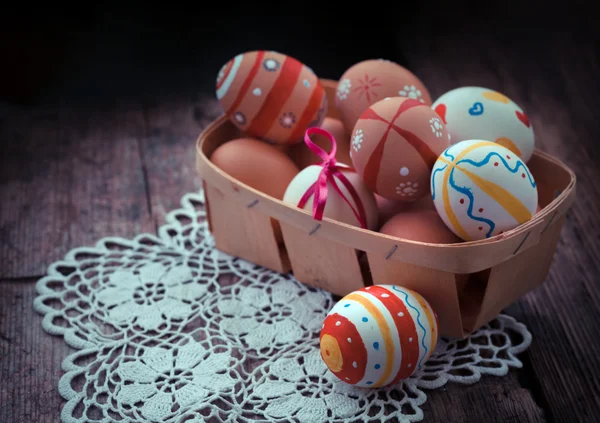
378 335
271 96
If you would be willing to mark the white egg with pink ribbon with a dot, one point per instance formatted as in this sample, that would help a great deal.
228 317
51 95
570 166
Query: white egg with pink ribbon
331 189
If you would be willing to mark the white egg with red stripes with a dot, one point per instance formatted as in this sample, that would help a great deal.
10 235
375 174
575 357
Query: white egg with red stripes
378 335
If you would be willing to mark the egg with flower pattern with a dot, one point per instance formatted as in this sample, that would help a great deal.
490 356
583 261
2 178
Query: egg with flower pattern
378 335
370 81
481 189
484 114
271 96
394 145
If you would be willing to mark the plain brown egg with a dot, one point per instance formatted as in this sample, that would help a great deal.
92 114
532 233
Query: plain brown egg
389 208
284 148
258 165
424 203
421 225
303 156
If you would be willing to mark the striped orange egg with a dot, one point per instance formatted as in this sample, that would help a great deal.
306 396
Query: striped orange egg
271 96
378 335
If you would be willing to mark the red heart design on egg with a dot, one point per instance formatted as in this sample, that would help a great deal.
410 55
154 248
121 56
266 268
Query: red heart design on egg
440 109
523 118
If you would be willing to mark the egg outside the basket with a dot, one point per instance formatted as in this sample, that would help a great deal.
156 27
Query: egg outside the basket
378 335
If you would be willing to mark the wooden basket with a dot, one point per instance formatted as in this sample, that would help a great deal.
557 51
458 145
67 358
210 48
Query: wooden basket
468 283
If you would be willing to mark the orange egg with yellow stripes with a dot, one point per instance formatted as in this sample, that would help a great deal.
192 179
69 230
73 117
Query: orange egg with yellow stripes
481 189
378 335
271 96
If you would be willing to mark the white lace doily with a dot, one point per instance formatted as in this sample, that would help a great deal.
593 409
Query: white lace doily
168 329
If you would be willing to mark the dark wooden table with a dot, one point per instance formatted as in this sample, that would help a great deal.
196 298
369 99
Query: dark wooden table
73 174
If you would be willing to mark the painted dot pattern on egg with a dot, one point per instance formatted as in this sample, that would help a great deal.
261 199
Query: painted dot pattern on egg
480 191
271 65
398 128
411 91
240 118
287 120
407 189
343 89
381 321
357 140
278 96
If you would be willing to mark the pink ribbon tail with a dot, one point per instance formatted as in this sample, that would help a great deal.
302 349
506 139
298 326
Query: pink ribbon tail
329 173
360 214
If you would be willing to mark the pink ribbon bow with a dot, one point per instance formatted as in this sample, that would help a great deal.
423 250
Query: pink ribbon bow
330 172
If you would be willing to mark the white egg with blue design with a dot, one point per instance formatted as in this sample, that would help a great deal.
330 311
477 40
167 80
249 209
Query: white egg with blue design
481 189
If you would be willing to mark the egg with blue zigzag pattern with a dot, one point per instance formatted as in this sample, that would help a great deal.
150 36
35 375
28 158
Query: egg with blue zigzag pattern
378 335
481 189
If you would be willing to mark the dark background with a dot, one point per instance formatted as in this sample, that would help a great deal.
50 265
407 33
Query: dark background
110 51
100 107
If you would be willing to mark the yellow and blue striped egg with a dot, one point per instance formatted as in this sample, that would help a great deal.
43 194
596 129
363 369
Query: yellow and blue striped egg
481 189
378 335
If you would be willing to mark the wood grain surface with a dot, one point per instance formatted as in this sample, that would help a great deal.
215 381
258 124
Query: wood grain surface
70 176
558 97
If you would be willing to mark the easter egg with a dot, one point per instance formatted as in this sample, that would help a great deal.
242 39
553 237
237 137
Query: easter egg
388 208
378 335
419 225
336 207
481 189
259 165
425 203
256 164
271 96
483 114
394 145
370 81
